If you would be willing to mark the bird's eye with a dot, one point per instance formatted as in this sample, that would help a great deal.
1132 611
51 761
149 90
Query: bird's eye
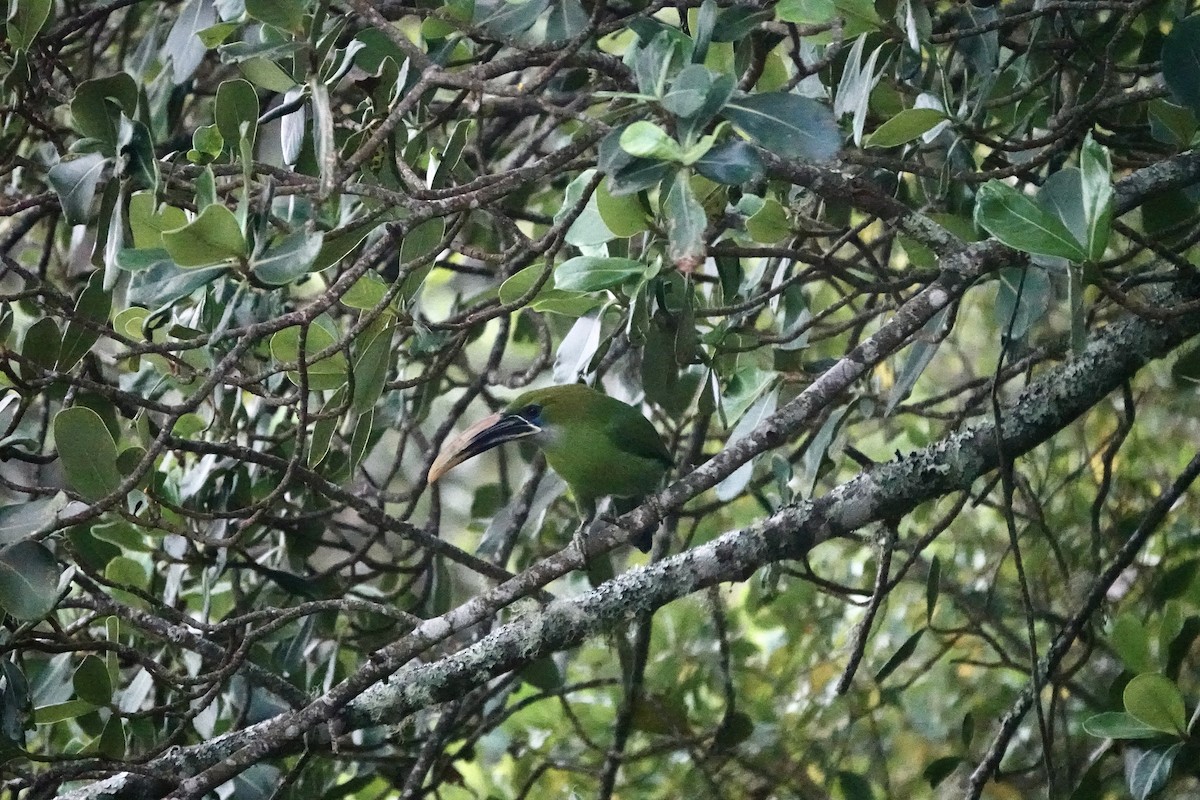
530 411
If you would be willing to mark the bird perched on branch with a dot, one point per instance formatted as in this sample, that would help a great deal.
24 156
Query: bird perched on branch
600 446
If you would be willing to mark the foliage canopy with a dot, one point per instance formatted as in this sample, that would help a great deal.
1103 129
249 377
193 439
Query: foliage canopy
908 286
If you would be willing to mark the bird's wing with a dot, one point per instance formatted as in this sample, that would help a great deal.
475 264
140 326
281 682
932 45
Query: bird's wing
638 437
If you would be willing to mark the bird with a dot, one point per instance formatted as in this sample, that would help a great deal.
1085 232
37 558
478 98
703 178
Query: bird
599 445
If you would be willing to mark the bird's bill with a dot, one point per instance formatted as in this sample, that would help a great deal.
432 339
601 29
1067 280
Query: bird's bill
489 432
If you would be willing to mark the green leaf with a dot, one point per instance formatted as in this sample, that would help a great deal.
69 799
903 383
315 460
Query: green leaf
236 111
940 769
732 163
267 74
329 372
112 742
41 346
91 681
366 292
371 364
805 12
1118 725
125 571
686 222
644 139
211 238
207 144
1147 771
1171 124
325 427
860 15
787 124
909 124
21 520
147 222
98 105
214 35
1132 644
87 452
183 42
361 438
164 283
1022 224
764 406
285 14
542 674
28 580
25 21
140 260
688 91
58 712
902 654
1155 700
291 258
932 588
735 729
75 181
93 305
1095 168
1181 61
769 224
624 216
593 273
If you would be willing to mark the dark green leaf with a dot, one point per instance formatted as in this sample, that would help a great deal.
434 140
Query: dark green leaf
735 729
688 91
1095 167
932 587
686 222
373 359
1119 725
1181 61
20 520
542 674
25 21
28 580
1148 770
291 258
1022 224
91 681
236 112
164 283
902 654
75 182
93 307
41 345
941 769
87 452
324 428
733 162
787 124
98 105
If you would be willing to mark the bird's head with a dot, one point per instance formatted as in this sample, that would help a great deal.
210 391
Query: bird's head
530 414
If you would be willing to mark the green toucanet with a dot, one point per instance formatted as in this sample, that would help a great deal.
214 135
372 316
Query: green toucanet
600 446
